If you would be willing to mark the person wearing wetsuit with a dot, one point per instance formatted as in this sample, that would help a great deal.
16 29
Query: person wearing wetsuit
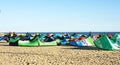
13 35
49 38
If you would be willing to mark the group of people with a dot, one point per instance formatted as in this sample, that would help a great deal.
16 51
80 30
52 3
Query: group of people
51 37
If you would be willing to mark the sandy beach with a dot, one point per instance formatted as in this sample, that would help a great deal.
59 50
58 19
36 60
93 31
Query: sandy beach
57 55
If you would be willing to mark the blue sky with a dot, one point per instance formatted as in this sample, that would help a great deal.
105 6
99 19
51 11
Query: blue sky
59 15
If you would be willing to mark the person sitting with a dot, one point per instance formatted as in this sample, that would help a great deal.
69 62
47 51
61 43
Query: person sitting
13 36
109 36
89 34
49 38
27 37
94 38
81 37
34 37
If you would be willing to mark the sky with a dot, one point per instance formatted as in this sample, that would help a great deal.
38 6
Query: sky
60 15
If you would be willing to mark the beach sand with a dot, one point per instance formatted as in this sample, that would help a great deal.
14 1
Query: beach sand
57 55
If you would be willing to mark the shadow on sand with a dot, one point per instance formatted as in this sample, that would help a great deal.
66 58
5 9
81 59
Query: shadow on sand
20 53
83 48
5 44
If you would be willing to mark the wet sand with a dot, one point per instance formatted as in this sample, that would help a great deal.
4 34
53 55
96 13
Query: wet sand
57 55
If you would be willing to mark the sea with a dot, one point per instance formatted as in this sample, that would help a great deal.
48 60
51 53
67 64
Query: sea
84 33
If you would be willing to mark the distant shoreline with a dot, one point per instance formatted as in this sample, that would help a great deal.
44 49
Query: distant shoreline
69 32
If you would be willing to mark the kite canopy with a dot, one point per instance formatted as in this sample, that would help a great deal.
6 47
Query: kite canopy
105 43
